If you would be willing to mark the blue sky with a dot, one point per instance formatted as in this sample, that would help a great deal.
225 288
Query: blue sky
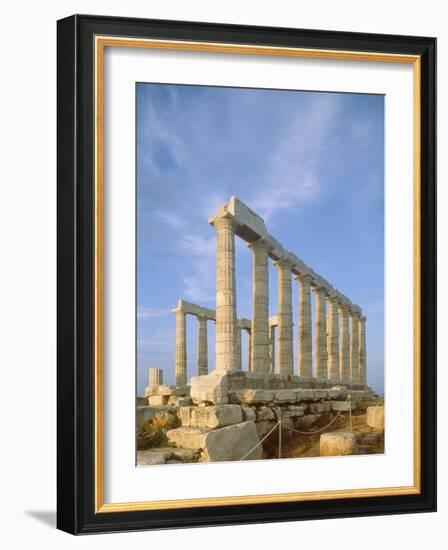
311 164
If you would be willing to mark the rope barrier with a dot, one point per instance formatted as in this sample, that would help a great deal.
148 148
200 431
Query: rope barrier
260 442
279 424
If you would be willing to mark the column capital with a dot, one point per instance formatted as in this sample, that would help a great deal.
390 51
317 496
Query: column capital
355 311
334 299
303 278
260 244
320 290
363 319
224 220
284 264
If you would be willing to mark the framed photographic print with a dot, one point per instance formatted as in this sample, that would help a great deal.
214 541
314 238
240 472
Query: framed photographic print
246 274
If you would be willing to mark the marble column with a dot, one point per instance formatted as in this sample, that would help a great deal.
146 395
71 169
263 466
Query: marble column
333 338
226 344
362 352
272 348
260 307
305 366
320 333
249 343
239 360
202 346
344 345
155 378
285 351
354 346
181 348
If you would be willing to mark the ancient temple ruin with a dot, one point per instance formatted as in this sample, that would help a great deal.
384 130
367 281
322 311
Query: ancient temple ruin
225 413
339 336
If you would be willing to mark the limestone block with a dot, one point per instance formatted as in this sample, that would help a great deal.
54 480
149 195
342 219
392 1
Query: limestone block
256 396
320 394
334 394
285 396
184 414
153 457
304 394
176 401
158 400
210 388
141 401
316 407
265 413
166 390
296 410
248 413
188 438
337 444
216 416
232 443
375 417
343 405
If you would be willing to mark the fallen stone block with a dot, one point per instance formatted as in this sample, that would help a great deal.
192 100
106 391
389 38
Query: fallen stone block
158 400
338 444
144 414
210 388
216 416
188 438
184 414
375 417
232 443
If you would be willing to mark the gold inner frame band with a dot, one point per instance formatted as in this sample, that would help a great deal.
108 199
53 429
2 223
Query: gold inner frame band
101 42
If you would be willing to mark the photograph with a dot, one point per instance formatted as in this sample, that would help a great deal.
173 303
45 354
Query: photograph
259 274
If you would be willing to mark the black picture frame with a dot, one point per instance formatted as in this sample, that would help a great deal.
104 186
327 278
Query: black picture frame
76 263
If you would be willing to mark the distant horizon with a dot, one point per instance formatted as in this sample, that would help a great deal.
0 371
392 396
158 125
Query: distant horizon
310 163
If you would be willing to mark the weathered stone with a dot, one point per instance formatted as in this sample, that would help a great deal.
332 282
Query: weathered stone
343 405
248 413
232 443
216 416
265 413
157 400
188 438
211 388
176 401
255 396
166 456
320 394
375 417
141 401
304 394
316 407
184 414
294 410
153 457
285 396
337 444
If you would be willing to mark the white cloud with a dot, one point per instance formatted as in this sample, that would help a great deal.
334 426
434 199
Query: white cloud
171 219
150 312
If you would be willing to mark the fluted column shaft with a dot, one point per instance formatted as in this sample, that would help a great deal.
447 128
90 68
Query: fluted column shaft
344 346
181 348
202 346
362 352
155 378
226 345
305 366
320 336
285 351
354 347
272 348
333 339
239 360
260 307
249 359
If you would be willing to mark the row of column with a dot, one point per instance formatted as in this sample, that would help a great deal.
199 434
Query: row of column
339 339
181 346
